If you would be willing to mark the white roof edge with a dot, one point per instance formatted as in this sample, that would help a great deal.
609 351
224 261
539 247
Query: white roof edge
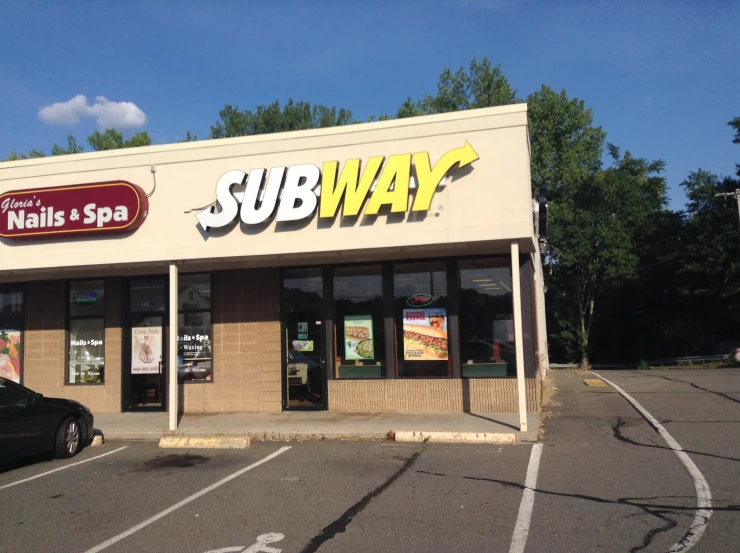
272 137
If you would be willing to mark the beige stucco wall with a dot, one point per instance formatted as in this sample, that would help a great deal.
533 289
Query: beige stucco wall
246 346
478 395
247 359
45 346
490 200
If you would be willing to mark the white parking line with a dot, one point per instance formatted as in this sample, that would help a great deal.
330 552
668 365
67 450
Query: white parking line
521 528
184 502
60 468
703 493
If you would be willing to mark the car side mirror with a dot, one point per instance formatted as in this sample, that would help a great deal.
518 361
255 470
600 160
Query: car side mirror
37 398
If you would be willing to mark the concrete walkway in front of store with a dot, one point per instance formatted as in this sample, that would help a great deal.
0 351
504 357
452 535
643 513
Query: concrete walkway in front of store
318 425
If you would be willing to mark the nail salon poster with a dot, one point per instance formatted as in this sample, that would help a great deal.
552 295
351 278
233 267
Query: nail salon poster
146 350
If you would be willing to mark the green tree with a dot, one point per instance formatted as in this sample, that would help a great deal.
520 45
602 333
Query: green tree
483 85
32 154
272 118
189 137
72 147
597 224
566 146
111 139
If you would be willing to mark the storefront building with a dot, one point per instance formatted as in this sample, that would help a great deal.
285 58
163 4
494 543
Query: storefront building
389 266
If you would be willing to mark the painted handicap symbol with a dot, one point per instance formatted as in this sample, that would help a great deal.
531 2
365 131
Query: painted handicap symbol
259 547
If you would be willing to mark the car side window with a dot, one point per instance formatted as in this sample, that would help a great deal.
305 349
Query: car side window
12 395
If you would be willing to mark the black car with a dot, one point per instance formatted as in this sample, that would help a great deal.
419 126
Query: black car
31 423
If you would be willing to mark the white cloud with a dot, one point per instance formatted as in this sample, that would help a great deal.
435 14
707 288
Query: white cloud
109 114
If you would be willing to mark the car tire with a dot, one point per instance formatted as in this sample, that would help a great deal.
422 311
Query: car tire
68 440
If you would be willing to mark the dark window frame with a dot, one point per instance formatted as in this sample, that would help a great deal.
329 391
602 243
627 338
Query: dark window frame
387 369
208 310
69 318
19 287
453 291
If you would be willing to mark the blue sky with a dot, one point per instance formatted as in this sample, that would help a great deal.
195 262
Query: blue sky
661 77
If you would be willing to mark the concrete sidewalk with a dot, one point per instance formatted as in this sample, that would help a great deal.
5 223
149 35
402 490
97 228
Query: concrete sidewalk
322 425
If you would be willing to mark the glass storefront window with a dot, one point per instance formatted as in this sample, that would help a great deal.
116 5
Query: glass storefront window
11 333
486 318
194 329
147 295
86 360
420 310
358 322
303 302
87 298
86 351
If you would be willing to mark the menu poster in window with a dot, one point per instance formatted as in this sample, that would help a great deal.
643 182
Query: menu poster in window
302 345
358 338
146 350
10 354
425 334
194 359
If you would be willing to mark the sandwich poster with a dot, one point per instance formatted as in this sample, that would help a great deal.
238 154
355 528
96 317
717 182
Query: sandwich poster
358 338
146 350
425 334
10 355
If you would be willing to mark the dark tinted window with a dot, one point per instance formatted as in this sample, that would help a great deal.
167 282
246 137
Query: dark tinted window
10 394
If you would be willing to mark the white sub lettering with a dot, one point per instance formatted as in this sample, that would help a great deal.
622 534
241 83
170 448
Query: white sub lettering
208 218
293 190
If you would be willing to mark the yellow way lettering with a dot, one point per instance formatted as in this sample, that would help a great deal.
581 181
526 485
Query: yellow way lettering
429 178
354 192
397 171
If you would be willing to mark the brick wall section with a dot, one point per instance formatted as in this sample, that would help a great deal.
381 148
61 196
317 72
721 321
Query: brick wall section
477 395
246 346
45 347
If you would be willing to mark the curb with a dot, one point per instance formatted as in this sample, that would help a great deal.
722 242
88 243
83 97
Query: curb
301 436
203 442
456 437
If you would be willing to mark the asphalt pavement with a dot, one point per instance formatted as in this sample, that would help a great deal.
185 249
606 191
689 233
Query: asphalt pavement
607 481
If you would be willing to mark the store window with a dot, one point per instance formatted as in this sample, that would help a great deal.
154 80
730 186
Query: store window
194 329
86 360
486 318
420 310
11 332
147 295
358 322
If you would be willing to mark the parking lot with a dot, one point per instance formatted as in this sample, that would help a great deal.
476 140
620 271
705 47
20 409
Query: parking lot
606 481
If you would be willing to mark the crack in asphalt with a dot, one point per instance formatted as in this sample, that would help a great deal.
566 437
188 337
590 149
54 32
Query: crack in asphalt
699 387
659 511
341 523
617 430
733 399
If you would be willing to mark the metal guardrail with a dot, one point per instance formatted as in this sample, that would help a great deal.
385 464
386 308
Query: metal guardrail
652 363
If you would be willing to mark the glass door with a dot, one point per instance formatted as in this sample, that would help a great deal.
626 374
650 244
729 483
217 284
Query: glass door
145 377
304 364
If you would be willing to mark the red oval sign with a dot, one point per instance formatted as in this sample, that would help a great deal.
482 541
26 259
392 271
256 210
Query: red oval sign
420 300
94 208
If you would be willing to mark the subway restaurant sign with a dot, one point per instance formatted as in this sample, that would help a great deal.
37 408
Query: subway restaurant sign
296 192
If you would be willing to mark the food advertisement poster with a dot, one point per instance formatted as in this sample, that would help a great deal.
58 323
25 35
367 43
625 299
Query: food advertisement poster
425 334
10 354
303 345
146 350
358 338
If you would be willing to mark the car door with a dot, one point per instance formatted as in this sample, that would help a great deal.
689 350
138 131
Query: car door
17 435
